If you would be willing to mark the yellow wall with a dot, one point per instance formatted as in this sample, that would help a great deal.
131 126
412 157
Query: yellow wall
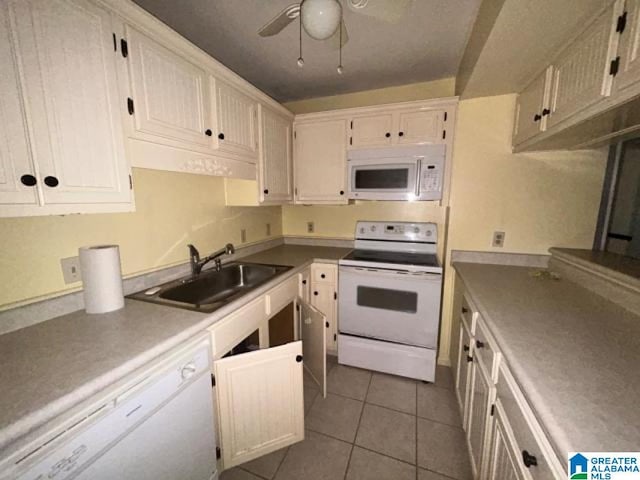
539 200
403 93
172 209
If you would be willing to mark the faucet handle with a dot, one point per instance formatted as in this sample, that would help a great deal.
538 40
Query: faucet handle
230 249
193 252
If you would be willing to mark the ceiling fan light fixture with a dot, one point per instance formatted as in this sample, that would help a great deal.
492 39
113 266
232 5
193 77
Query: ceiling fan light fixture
320 18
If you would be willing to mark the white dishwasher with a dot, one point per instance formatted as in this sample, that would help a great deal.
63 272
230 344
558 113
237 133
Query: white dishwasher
161 428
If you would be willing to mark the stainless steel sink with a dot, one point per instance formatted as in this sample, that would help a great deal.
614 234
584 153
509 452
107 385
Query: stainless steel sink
212 288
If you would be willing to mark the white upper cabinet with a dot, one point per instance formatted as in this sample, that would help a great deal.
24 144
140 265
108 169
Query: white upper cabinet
403 127
320 154
170 94
582 71
65 52
629 48
275 170
237 116
420 126
373 130
532 109
17 175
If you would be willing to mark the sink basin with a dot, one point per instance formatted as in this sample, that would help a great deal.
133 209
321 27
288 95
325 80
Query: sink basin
212 289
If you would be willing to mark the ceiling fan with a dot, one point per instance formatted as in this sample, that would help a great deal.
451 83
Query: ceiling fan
322 19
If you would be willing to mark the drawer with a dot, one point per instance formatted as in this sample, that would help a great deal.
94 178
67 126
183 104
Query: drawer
282 295
323 273
529 437
469 314
235 327
485 349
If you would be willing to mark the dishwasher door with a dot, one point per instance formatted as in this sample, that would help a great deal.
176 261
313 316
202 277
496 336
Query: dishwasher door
176 442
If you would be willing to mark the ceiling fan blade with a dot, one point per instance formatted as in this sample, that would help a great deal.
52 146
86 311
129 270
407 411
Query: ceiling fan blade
335 38
391 11
277 24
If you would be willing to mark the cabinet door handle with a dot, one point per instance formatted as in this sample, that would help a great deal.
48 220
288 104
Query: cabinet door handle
50 181
529 460
388 134
298 358
469 358
208 132
341 192
304 282
465 348
401 134
546 112
326 324
465 310
266 191
479 344
28 180
322 275
221 136
315 293
537 117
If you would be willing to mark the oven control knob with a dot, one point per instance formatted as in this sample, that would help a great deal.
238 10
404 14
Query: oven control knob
362 230
416 230
373 228
428 233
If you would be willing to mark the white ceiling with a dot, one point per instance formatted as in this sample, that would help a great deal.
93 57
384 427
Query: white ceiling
425 45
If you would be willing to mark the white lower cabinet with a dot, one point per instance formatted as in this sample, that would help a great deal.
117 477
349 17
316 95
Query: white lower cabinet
504 437
324 297
258 391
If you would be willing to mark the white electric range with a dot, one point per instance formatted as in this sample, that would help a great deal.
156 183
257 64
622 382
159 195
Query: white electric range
390 287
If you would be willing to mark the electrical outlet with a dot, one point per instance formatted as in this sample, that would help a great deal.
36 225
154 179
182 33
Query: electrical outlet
310 227
243 236
498 239
268 229
71 269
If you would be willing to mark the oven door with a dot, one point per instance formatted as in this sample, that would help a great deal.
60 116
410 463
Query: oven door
383 179
390 305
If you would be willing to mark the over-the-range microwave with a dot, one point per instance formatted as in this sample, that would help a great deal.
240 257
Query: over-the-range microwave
396 173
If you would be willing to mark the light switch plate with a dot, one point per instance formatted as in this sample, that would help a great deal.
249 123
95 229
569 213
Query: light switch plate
498 239
71 269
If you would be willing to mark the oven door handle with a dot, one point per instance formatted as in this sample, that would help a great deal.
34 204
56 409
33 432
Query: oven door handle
373 272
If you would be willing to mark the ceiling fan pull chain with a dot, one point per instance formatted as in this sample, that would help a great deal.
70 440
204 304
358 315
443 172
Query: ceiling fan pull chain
340 68
300 59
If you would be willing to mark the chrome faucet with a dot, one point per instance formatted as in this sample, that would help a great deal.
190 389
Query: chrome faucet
197 263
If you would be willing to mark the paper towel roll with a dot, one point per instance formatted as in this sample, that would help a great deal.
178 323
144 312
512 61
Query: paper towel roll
101 278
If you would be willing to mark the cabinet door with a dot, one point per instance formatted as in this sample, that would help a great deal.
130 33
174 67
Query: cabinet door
480 395
314 344
171 95
502 455
237 119
15 156
420 126
320 161
275 168
532 109
462 375
581 76
371 130
323 298
260 402
65 48
629 49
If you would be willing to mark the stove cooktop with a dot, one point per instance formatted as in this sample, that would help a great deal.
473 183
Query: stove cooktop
397 258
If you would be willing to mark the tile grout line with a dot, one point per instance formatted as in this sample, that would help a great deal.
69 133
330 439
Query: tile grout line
353 444
417 418
281 462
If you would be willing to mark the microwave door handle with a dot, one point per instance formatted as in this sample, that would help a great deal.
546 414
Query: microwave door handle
418 176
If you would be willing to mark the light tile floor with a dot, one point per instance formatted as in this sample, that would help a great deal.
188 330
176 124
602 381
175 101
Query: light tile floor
371 426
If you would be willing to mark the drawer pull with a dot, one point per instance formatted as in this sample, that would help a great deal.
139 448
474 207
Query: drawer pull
469 358
528 459
315 293
465 310
322 275
465 348
479 344
298 358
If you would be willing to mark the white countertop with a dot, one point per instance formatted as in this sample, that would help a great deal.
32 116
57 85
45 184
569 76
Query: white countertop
49 367
574 354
